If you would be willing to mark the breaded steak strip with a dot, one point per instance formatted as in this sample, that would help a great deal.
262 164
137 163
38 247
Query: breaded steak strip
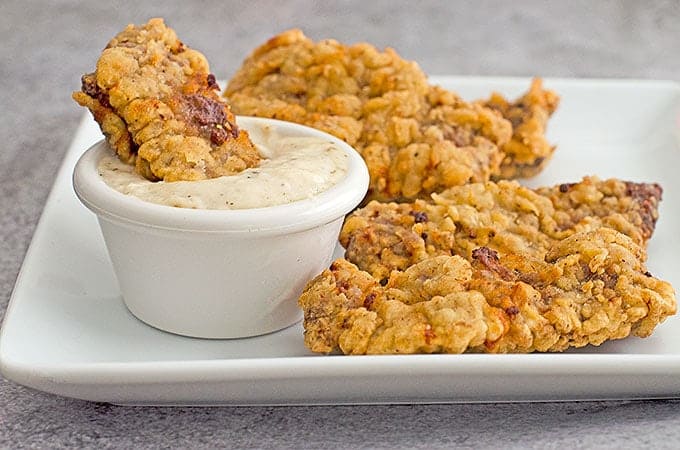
528 151
158 105
591 287
415 138
504 216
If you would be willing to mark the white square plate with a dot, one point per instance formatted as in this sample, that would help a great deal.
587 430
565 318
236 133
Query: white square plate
67 331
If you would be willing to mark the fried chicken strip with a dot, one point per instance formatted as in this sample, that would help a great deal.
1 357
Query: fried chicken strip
528 151
158 105
505 217
415 138
592 286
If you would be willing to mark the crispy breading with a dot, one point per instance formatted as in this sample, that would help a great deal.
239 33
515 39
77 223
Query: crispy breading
528 151
505 217
415 138
590 287
158 105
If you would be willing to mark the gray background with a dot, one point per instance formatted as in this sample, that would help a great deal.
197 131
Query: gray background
45 47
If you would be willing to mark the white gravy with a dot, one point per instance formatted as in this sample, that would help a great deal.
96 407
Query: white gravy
295 168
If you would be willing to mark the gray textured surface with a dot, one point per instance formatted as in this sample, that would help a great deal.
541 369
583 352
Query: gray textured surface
45 46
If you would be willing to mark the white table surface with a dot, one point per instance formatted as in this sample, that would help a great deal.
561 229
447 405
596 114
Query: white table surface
44 48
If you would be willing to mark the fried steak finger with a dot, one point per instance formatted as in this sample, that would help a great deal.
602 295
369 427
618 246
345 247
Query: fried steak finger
415 138
505 217
158 105
590 287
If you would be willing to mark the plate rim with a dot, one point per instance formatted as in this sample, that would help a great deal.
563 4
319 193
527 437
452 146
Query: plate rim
303 367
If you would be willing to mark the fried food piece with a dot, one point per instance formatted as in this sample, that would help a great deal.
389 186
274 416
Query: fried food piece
590 287
504 216
158 105
415 138
528 151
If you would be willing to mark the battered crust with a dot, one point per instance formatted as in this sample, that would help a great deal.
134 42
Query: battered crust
492 267
590 287
158 105
415 138
505 217
528 151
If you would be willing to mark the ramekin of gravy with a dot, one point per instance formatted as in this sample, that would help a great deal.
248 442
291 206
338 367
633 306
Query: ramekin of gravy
226 257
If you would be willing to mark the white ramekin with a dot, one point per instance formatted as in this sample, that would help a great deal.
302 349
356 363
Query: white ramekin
215 273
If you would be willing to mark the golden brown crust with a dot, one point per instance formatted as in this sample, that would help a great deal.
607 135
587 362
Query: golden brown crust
590 287
528 151
504 216
158 105
415 138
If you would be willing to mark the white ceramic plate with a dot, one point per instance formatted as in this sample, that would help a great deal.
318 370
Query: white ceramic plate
67 331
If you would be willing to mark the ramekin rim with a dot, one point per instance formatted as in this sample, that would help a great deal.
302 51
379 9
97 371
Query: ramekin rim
300 215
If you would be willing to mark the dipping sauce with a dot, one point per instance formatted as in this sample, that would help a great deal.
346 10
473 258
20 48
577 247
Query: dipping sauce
296 168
